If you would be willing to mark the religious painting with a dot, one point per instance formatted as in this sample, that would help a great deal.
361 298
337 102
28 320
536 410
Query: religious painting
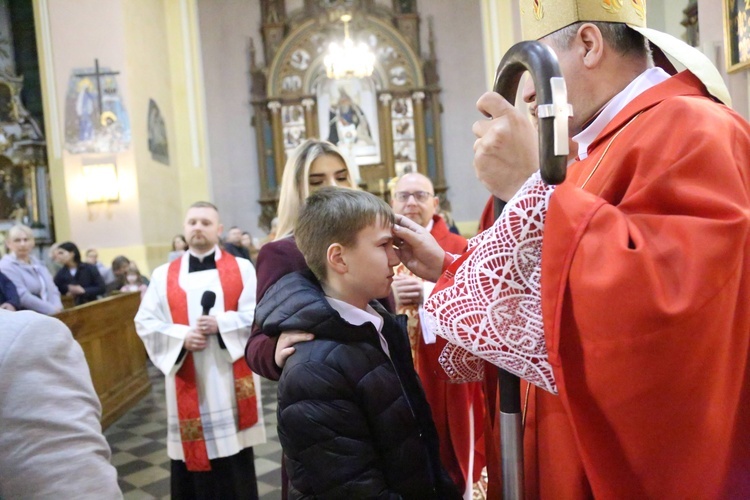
404 138
7 53
157 134
96 120
7 109
291 83
348 117
403 129
14 192
405 157
737 34
293 126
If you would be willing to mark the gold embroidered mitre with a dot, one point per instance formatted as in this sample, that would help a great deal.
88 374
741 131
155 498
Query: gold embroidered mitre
539 18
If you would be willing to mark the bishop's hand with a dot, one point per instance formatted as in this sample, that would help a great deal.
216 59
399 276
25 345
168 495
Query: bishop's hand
417 249
506 151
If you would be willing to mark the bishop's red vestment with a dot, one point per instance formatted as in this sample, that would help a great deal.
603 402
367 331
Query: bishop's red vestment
645 275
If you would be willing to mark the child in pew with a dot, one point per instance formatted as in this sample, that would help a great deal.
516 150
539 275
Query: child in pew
352 416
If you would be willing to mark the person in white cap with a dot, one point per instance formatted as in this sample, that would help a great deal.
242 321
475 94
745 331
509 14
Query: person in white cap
621 292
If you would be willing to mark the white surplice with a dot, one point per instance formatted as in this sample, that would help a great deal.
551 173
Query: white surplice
213 366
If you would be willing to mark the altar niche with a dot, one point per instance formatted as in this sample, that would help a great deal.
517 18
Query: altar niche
386 124
24 174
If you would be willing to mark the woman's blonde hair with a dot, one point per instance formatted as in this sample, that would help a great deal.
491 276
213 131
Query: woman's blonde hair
295 185
21 229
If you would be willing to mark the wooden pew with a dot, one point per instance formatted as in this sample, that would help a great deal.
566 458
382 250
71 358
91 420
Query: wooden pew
113 350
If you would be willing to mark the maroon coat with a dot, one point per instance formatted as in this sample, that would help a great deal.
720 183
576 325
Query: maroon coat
275 260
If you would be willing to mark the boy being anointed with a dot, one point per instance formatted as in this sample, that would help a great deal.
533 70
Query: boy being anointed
352 416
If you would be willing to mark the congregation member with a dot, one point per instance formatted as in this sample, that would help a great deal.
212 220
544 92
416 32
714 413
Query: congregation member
133 269
353 419
233 243
195 320
33 282
248 243
92 257
179 245
634 273
8 294
457 409
314 164
134 282
77 279
51 442
115 278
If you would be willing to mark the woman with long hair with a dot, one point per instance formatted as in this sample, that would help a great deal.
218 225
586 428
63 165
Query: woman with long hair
179 247
312 165
77 279
36 290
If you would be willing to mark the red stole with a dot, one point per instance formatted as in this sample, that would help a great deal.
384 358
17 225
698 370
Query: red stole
188 410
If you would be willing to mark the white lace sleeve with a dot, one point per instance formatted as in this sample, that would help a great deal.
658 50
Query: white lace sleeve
493 309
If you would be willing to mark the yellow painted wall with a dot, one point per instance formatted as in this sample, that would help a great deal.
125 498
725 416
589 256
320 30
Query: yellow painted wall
500 30
189 101
152 43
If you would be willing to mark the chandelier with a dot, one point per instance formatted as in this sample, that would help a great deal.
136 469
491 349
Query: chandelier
348 60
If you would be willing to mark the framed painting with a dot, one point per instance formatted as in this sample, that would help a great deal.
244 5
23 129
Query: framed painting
737 34
348 117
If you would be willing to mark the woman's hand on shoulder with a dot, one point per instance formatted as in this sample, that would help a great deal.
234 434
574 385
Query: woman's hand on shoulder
285 345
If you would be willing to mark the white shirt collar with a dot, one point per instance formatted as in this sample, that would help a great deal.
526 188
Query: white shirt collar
356 316
430 225
649 78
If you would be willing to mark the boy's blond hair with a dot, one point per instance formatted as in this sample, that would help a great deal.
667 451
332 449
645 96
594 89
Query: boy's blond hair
336 215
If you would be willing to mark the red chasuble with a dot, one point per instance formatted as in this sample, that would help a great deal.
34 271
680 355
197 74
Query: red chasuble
188 410
645 289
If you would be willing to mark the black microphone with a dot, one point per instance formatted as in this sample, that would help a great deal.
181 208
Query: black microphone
207 301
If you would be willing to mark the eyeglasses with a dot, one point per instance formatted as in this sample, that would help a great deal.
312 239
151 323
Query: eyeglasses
420 196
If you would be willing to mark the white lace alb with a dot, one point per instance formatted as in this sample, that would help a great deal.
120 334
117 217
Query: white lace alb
493 309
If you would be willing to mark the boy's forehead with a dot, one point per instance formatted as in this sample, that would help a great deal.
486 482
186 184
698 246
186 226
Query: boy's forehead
379 228
384 224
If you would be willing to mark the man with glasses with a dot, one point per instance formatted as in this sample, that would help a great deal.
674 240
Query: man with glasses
454 406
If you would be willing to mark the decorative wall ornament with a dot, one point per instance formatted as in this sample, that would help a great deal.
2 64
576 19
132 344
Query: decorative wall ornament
157 134
24 173
348 59
95 117
348 117
387 123
737 34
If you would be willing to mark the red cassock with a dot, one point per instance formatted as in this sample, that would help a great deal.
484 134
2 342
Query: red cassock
645 284
457 409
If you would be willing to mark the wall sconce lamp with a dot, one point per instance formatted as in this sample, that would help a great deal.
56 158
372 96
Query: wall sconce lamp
101 183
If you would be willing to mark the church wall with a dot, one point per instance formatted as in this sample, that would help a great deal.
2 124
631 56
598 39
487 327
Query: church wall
80 32
154 46
666 15
225 30
459 47
148 68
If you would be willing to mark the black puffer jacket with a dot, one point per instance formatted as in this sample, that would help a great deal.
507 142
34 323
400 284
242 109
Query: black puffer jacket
353 423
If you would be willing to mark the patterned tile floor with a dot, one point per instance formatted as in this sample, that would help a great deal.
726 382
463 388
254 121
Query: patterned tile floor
139 450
